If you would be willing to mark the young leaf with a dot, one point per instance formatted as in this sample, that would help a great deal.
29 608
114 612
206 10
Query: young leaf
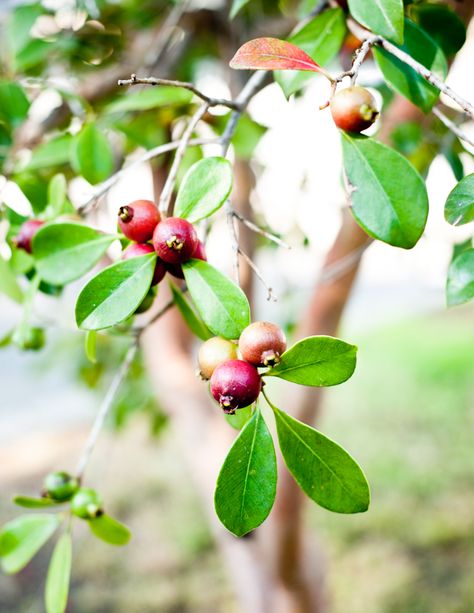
389 198
246 485
204 189
239 418
316 361
222 304
323 469
110 530
29 502
383 17
195 323
21 539
8 283
91 154
115 293
321 39
460 283
90 346
66 251
59 575
404 79
272 54
459 207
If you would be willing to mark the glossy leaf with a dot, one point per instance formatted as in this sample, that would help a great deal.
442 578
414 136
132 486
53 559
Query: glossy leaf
8 283
91 154
389 198
21 539
246 485
194 322
66 251
404 79
115 293
110 530
149 99
443 25
90 346
29 502
222 305
204 189
460 283
459 207
59 576
317 361
239 418
272 54
321 39
383 17
237 6
323 469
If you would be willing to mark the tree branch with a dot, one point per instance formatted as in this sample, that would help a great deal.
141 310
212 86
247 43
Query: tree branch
452 126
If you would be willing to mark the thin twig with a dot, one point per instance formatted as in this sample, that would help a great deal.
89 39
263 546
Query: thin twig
259 230
337 269
104 187
234 240
134 80
455 129
164 309
105 408
254 267
168 187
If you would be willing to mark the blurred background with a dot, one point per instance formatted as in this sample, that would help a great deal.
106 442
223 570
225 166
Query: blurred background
407 414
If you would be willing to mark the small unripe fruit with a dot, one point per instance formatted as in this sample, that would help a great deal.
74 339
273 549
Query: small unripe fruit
262 343
25 235
175 240
214 352
29 339
86 503
176 269
135 250
235 384
353 109
138 220
60 486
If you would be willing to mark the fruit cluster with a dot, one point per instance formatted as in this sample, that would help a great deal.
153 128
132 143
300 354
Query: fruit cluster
61 487
236 383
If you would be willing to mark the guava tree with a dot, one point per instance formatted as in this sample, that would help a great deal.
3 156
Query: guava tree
122 78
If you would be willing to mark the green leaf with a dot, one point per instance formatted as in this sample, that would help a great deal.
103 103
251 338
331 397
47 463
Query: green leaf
205 188
110 530
195 323
23 537
90 346
14 104
404 79
389 199
246 136
316 361
55 152
239 418
91 154
323 469
21 21
321 39
237 6
29 502
149 99
66 251
460 283
443 25
57 190
246 485
459 207
59 575
8 283
115 293
222 304
383 17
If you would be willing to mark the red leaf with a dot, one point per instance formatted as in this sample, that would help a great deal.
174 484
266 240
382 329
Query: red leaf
272 54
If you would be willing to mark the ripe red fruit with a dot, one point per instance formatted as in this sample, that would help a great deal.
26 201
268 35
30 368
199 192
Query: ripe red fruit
175 240
135 250
138 220
353 109
262 343
235 384
26 233
214 352
177 271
